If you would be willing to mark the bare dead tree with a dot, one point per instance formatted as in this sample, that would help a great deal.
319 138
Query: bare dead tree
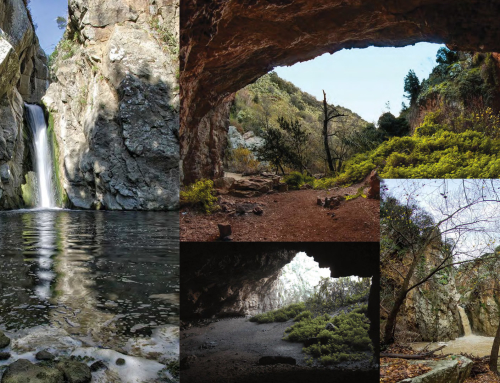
469 213
329 114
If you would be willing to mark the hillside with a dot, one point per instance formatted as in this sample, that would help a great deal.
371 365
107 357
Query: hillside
259 105
454 122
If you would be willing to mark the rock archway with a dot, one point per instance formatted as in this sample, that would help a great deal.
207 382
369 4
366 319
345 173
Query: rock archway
229 279
225 45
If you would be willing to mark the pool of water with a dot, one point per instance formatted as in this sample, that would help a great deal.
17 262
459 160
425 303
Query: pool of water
472 344
105 279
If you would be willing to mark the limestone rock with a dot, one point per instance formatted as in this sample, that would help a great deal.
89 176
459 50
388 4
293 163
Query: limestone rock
115 106
23 370
23 78
4 340
44 355
75 372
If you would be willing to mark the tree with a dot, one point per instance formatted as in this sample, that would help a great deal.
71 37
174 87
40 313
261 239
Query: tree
329 113
412 87
468 215
446 56
284 146
61 22
392 126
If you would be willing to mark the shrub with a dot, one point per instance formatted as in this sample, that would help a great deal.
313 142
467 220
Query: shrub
296 179
242 160
349 341
200 194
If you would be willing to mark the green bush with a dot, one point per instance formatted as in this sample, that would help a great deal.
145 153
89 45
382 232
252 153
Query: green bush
296 179
349 341
303 315
200 194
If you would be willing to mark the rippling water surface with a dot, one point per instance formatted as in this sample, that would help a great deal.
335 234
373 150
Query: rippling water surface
102 277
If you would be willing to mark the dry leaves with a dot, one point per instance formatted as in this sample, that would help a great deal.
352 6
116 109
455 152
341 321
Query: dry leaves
394 370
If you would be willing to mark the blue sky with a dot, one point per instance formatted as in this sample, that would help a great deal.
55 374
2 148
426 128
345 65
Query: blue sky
363 80
44 14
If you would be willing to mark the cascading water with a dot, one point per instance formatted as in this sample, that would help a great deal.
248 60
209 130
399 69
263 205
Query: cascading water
42 156
465 321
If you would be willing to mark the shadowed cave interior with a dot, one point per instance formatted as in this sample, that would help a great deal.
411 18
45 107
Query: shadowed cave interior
229 293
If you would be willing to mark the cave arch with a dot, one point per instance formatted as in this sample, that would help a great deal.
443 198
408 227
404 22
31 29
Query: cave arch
214 274
225 45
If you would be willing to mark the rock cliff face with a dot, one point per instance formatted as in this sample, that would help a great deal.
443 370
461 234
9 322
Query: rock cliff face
227 45
23 78
114 105
482 299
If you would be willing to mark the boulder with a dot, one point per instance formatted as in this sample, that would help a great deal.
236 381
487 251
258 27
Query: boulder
224 183
4 355
23 371
269 360
282 187
4 340
258 210
99 365
44 355
75 372
224 230
456 370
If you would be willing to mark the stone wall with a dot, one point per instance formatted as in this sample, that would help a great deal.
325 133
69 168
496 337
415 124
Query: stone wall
23 78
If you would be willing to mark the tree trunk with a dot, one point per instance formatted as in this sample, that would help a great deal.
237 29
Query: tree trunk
325 134
494 352
390 325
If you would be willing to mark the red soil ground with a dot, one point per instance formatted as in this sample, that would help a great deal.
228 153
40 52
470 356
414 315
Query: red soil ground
292 216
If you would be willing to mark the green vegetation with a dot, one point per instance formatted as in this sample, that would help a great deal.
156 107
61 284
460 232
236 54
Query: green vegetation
290 119
280 315
348 341
200 194
168 40
296 179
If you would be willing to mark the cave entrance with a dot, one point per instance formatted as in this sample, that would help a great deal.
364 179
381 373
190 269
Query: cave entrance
227 45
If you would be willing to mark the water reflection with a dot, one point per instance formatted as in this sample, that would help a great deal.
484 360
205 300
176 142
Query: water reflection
100 276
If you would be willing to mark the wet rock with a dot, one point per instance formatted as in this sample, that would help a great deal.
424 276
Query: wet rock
224 230
75 372
258 210
99 365
4 340
44 355
4 355
187 362
120 362
268 360
23 371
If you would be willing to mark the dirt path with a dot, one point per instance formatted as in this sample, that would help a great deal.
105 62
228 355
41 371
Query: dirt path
292 216
229 350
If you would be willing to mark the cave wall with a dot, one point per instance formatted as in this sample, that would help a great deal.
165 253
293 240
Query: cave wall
225 45
23 78
114 105
220 279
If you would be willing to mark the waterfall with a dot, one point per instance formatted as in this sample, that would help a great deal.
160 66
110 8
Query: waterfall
465 321
42 156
